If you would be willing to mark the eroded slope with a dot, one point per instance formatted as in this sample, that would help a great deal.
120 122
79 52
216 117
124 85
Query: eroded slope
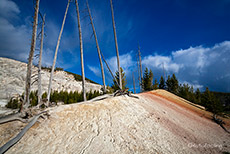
150 124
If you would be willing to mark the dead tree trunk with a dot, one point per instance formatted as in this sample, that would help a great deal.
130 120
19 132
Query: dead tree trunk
134 88
164 72
98 49
40 63
110 71
115 38
81 51
30 61
138 68
139 53
56 51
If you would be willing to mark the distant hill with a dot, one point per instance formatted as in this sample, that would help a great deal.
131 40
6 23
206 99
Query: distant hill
76 76
13 75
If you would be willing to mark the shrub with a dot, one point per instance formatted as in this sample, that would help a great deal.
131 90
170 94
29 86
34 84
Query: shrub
14 103
55 96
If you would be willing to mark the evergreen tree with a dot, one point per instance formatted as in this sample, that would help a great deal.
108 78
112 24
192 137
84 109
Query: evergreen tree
169 84
183 91
124 82
198 96
155 85
210 102
162 83
192 97
175 84
147 83
172 84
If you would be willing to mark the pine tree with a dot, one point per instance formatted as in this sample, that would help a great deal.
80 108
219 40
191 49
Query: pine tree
147 83
155 85
162 83
168 84
198 96
123 79
172 84
210 102
175 84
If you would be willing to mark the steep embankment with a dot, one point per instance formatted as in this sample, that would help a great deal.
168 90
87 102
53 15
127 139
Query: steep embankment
151 124
13 74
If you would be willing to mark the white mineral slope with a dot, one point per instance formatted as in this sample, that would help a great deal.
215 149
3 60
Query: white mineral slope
13 74
123 125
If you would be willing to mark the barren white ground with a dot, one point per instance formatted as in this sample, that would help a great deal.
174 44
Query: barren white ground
13 74
150 124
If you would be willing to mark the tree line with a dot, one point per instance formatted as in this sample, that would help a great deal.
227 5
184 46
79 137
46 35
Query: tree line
55 97
206 98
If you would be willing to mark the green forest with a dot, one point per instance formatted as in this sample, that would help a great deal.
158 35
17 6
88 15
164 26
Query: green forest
216 102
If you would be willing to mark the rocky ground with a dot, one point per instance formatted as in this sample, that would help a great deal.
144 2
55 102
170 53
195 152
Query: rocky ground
157 122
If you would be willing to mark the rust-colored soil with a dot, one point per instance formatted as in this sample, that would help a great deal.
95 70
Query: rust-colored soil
157 122
196 109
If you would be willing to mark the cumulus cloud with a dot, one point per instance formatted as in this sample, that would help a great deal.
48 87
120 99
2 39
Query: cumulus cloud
157 61
14 39
8 9
126 62
197 66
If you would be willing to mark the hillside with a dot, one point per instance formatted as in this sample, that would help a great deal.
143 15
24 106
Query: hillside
13 74
157 122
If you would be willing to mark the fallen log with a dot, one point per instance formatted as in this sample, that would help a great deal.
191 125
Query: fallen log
220 122
12 117
13 141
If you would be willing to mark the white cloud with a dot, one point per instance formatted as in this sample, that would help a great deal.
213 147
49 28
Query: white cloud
8 9
14 39
126 62
156 62
195 85
198 66
95 70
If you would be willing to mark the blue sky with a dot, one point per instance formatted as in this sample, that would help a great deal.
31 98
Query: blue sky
190 37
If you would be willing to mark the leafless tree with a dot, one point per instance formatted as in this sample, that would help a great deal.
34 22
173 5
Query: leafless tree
81 51
56 51
30 60
110 71
134 88
40 62
98 48
115 38
138 69
139 53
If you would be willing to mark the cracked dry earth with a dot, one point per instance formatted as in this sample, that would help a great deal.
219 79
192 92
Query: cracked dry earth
150 124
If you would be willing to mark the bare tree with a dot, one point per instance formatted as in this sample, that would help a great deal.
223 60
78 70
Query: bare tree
98 48
30 61
164 71
138 69
40 62
81 51
139 53
115 38
56 51
110 71
134 88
